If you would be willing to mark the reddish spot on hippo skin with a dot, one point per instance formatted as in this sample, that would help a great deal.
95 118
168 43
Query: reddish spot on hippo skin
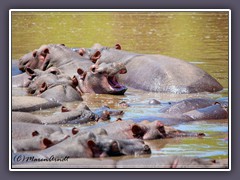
81 51
43 87
75 131
118 46
64 109
45 143
35 133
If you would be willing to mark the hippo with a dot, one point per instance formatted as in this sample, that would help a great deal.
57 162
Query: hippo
156 73
31 103
23 130
28 137
100 79
193 109
24 79
106 112
91 145
82 114
56 55
145 130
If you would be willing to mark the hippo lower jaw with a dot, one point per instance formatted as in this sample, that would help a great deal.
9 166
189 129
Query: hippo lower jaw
115 87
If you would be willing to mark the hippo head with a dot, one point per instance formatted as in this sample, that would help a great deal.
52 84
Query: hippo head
37 59
148 131
26 61
94 53
41 78
118 147
102 79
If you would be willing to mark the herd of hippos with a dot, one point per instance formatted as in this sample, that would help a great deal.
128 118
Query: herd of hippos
54 74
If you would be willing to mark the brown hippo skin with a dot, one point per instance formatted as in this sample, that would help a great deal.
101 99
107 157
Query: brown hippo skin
155 73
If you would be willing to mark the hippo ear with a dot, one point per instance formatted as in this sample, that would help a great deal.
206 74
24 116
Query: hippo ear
96 56
34 53
45 51
62 44
91 143
75 130
81 73
81 51
161 128
115 148
35 133
74 81
43 87
64 109
118 46
137 131
47 142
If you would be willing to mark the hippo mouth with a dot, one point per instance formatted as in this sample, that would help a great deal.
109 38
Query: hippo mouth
115 86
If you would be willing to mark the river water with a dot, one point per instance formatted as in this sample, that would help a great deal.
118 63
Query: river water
197 37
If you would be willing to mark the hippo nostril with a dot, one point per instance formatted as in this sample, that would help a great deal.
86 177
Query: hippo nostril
146 148
31 91
93 69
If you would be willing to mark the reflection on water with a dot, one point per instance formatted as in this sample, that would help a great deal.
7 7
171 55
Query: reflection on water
200 38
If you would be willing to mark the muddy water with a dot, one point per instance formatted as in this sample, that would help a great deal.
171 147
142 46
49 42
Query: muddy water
197 37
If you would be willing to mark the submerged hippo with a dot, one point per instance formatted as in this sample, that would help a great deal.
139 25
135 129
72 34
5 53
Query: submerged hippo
28 137
155 73
92 145
195 109
99 79
31 103
54 55
144 130
82 114
53 86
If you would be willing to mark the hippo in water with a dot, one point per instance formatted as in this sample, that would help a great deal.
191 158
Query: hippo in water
100 79
155 73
